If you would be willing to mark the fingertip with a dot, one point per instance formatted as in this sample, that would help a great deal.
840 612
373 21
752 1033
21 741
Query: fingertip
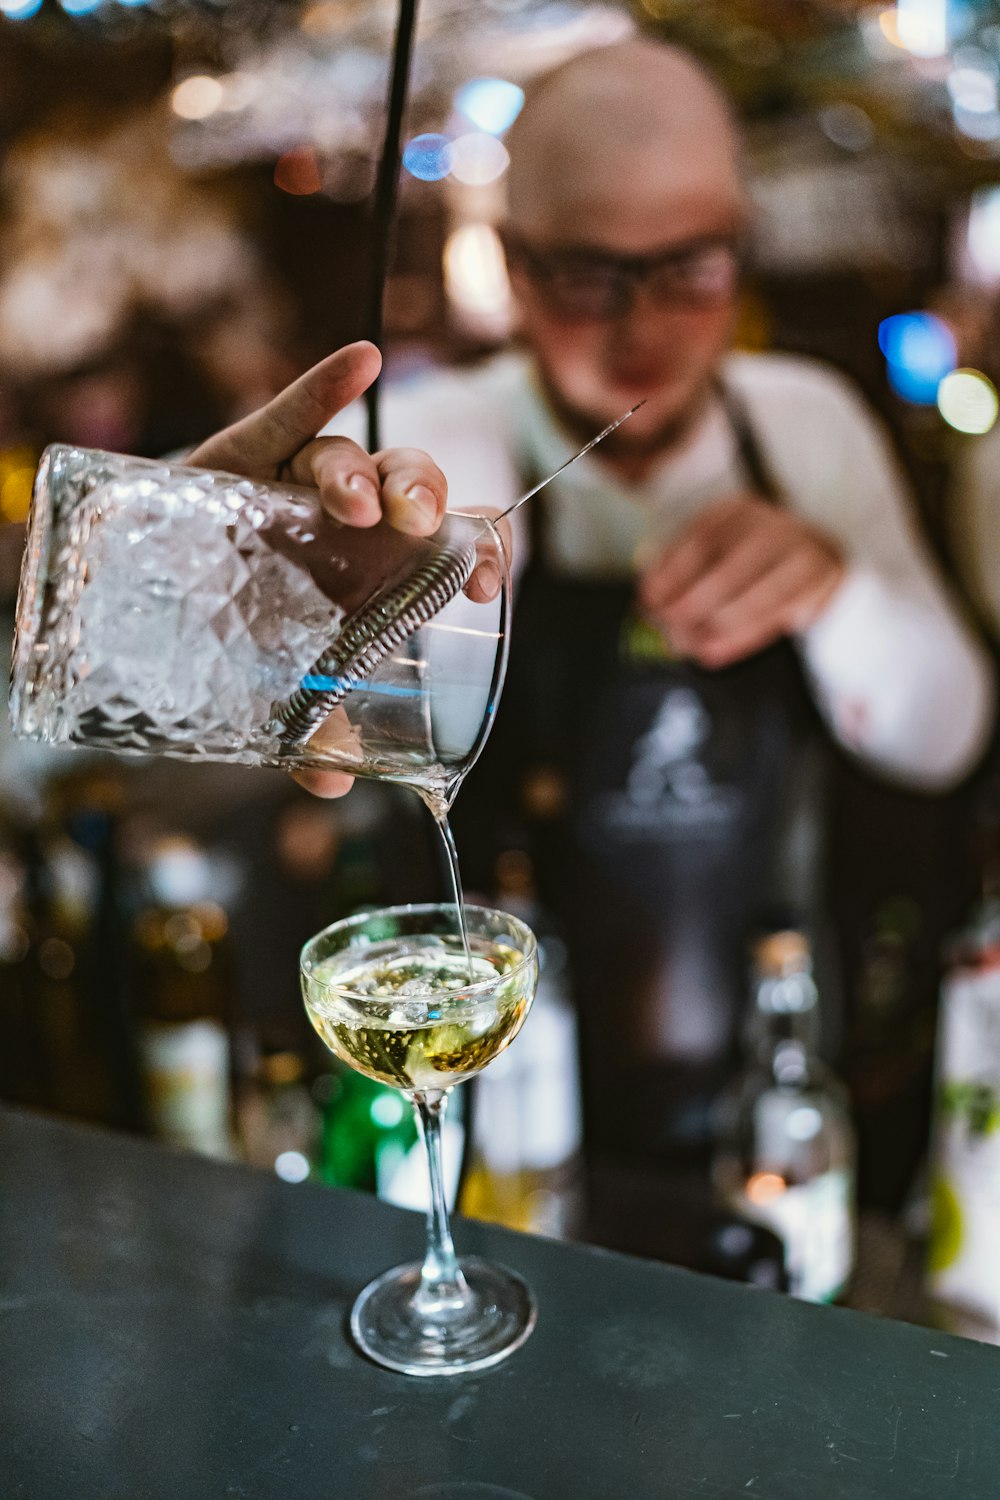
364 351
485 583
416 510
325 784
354 500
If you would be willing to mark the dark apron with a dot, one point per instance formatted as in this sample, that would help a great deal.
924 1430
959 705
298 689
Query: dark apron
662 805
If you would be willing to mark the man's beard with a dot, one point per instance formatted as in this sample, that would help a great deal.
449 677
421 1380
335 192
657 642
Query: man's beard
624 445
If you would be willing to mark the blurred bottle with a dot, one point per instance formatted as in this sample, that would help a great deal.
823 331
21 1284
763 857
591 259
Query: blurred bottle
79 1076
182 986
526 1164
786 1158
278 1121
81 938
367 1131
22 1063
963 1267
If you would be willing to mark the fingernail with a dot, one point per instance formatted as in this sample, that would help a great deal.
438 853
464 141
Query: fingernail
363 486
424 502
488 578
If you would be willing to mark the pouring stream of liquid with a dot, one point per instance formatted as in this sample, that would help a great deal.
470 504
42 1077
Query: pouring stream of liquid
439 801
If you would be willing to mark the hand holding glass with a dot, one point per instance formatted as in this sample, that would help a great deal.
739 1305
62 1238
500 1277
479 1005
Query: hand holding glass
390 993
184 612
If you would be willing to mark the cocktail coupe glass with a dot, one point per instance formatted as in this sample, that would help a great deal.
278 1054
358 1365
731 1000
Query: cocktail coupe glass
391 994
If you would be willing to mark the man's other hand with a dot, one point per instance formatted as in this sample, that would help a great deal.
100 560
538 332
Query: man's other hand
740 576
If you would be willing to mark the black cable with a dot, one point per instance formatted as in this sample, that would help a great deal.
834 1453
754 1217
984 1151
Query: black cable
386 185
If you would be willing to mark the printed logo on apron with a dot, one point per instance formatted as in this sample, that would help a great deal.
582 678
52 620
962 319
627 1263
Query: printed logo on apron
669 787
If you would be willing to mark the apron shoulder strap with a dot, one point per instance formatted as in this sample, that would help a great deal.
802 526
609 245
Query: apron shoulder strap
752 453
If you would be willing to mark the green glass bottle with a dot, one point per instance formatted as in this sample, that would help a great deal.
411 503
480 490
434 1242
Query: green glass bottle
366 1133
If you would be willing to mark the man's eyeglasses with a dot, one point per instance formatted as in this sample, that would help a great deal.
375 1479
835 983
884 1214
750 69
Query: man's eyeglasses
590 284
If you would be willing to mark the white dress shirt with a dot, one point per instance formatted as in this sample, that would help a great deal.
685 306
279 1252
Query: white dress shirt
897 675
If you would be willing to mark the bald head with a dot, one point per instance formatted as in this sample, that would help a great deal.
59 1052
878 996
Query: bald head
617 140
627 156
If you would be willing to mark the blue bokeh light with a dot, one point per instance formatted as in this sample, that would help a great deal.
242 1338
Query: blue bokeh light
492 104
20 10
428 157
919 352
79 7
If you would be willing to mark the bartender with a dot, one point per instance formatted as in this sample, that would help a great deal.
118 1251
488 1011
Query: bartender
729 584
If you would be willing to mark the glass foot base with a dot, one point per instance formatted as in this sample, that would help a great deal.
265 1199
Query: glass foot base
390 1330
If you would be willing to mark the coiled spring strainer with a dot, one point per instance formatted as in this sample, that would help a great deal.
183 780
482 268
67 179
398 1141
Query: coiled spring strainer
367 637
382 625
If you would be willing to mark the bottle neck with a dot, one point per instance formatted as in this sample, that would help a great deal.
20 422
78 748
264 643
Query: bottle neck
783 1030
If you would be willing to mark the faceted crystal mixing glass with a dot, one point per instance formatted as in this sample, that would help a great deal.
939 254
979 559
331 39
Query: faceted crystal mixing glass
391 994
179 611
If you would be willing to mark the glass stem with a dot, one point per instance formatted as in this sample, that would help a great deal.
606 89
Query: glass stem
443 1292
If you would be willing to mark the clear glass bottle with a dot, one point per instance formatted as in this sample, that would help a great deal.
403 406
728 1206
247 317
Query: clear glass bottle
526 1166
277 1119
786 1157
963 1272
182 982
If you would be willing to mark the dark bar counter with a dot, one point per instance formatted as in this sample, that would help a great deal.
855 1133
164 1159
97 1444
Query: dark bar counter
170 1327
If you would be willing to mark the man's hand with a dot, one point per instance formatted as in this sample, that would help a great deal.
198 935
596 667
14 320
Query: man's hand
740 576
280 442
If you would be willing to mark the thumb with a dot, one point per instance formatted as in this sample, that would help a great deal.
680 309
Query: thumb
258 444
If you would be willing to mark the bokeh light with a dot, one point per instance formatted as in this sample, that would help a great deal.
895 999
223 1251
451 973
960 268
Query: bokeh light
298 172
197 97
475 273
889 27
763 1186
292 1166
492 104
387 1110
973 89
79 7
428 157
15 493
919 351
983 238
477 159
922 26
977 124
804 1122
968 401
20 10
847 125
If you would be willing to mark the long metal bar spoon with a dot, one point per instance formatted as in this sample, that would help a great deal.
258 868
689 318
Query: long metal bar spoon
571 460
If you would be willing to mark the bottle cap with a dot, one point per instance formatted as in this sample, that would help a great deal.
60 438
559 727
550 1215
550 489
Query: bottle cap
782 952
